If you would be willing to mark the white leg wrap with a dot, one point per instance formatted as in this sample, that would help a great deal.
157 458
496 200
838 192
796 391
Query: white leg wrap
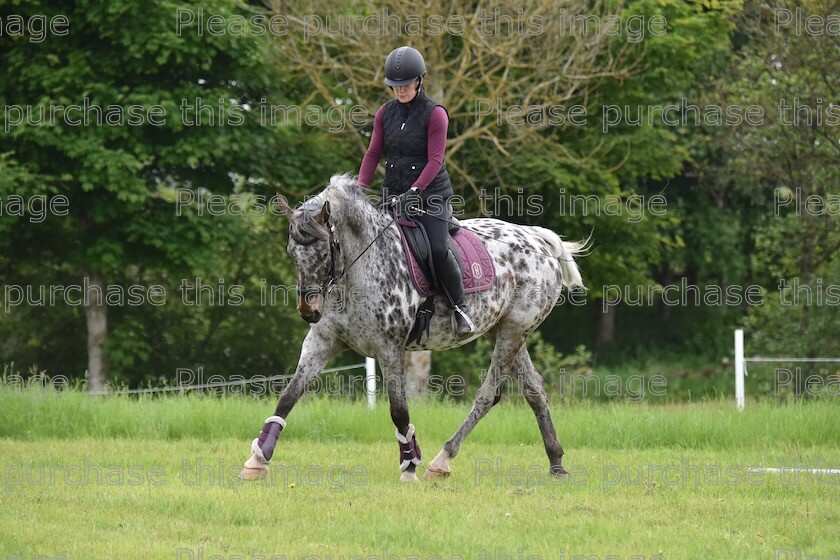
255 449
255 463
277 420
407 437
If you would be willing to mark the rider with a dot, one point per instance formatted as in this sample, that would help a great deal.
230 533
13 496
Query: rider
411 128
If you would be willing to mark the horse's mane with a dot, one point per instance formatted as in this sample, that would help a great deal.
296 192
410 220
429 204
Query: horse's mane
348 203
304 226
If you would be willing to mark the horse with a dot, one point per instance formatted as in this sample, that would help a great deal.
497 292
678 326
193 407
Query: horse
374 312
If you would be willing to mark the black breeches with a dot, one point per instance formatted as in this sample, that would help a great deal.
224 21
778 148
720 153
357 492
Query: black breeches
436 222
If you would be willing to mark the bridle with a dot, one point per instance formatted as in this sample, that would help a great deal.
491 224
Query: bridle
333 277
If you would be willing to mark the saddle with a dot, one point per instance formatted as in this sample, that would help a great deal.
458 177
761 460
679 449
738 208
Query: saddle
477 269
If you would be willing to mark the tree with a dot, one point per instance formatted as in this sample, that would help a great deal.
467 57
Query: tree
480 56
640 154
786 165
114 115
527 91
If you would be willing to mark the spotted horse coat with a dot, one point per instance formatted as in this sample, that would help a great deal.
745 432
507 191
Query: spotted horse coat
372 308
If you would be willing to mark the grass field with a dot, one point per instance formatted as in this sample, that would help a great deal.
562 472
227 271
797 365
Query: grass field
155 478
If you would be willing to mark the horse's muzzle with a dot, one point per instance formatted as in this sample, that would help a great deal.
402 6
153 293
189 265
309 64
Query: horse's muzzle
311 305
311 316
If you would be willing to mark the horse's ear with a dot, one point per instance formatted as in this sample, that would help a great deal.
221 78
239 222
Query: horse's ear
283 204
324 214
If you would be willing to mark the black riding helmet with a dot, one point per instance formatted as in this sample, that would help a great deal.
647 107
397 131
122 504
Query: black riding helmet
403 66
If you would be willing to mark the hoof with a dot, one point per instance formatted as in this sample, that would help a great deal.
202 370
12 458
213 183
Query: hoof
253 469
248 473
558 470
409 477
432 472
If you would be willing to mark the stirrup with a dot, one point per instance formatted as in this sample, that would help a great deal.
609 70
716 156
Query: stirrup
462 325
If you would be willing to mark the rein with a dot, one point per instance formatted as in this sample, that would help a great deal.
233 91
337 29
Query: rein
335 249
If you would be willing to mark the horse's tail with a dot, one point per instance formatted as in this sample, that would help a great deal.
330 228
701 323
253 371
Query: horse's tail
565 251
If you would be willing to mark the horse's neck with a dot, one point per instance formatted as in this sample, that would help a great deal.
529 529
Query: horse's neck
377 245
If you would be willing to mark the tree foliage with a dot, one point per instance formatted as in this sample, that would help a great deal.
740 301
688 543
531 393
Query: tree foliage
141 197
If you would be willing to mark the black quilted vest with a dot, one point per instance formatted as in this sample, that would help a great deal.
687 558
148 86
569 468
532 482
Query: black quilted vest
405 126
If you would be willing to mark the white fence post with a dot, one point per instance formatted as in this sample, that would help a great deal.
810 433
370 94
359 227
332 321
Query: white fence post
739 369
370 381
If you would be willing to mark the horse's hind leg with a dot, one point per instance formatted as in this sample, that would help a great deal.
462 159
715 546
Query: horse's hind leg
531 383
488 394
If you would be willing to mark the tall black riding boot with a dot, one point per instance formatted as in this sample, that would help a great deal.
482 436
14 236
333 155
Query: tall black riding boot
453 284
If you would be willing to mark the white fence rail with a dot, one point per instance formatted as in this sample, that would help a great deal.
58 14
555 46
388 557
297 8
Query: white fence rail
741 365
369 366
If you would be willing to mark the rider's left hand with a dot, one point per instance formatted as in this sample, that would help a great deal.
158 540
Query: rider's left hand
408 202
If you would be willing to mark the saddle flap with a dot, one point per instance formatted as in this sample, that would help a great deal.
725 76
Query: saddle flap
417 250
477 268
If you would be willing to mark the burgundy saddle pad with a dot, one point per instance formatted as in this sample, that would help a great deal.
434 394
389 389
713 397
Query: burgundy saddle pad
478 272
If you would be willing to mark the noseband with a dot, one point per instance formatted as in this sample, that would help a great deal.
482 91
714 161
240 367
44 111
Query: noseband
335 249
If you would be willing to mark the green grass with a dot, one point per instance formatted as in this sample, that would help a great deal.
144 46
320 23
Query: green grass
155 478
714 424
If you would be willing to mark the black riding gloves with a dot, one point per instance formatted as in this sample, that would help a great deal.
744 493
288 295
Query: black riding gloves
408 202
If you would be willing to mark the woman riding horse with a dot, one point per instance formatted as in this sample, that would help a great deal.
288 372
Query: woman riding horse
411 128
340 228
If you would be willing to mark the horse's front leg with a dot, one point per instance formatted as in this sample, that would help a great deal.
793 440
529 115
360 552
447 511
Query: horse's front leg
391 362
316 351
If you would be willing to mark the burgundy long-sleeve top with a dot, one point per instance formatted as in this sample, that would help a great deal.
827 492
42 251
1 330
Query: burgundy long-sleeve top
436 144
